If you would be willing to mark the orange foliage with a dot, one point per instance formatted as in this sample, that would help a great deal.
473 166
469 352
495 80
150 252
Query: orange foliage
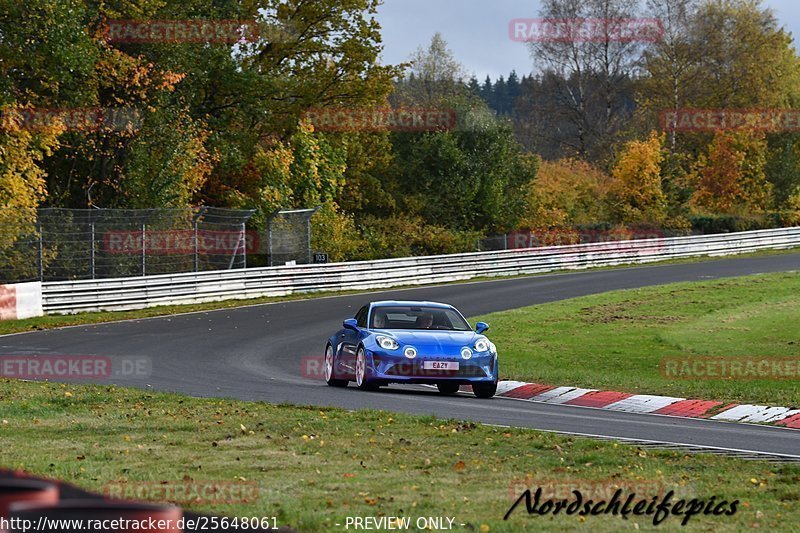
731 179
565 193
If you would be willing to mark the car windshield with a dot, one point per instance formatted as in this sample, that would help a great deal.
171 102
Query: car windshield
417 318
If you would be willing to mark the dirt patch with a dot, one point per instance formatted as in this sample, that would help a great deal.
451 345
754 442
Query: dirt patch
622 312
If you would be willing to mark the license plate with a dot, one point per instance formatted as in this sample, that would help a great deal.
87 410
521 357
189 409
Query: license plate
439 365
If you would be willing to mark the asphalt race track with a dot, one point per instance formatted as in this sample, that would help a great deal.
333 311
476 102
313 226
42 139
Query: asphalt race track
257 353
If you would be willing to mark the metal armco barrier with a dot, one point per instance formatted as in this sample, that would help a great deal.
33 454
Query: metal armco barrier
120 294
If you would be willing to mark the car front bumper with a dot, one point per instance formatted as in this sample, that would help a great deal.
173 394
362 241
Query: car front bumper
398 369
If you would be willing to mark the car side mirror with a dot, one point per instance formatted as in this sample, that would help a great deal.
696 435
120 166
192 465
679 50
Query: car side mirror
350 323
481 327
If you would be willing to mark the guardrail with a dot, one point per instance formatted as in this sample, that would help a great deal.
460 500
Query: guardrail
120 294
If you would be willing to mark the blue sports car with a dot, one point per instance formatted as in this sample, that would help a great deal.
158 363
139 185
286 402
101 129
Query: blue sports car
412 342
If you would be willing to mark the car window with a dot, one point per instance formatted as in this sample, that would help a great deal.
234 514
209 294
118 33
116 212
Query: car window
417 318
361 317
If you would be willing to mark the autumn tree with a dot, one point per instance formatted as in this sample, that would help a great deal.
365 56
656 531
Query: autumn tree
636 194
731 177
22 179
566 193
22 188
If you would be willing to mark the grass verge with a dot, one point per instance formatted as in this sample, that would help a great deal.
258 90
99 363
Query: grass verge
314 467
617 340
57 321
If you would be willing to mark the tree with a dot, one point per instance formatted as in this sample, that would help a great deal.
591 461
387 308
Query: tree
636 194
437 78
565 194
474 86
590 77
731 178
746 58
487 90
783 170
471 178
728 54
500 96
670 62
513 89
464 180
22 179
308 54
168 163
22 189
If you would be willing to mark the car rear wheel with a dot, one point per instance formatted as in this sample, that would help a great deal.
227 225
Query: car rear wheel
484 390
447 388
361 371
330 373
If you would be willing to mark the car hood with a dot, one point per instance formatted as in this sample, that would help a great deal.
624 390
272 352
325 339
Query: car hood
436 342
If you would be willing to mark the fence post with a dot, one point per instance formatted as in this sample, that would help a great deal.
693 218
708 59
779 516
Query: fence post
41 251
144 248
308 228
269 236
244 244
93 251
196 248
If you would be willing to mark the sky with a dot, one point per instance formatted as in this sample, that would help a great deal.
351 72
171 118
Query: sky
477 30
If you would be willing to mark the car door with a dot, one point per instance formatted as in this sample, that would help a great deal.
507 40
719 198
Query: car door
348 344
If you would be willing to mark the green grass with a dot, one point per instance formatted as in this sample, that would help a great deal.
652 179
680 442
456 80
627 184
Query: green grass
615 341
57 321
314 467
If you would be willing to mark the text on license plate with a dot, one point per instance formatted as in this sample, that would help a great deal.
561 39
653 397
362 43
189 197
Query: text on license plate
439 365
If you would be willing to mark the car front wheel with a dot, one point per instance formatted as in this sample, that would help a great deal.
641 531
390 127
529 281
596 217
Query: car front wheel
361 371
484 390
329 366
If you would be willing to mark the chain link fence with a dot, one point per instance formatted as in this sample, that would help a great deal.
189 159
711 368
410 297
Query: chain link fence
65 244
289 237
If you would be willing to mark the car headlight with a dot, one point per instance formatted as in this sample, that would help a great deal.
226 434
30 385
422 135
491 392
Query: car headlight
387 343
410 352
466 353
492 347
481 345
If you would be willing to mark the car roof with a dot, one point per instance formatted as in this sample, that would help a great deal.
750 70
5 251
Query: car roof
393 303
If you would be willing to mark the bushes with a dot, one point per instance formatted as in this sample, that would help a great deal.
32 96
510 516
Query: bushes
406 236
335 233
338 235
710 224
